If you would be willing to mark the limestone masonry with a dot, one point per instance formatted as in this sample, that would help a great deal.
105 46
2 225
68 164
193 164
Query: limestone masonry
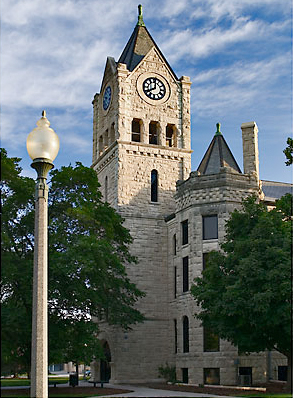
141 152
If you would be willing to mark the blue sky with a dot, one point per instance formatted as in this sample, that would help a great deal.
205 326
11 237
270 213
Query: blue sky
236 52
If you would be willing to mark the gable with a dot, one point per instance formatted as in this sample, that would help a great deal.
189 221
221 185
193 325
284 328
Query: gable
110 70
154 62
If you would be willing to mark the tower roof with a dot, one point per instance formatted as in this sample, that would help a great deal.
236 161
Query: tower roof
218 155
139 44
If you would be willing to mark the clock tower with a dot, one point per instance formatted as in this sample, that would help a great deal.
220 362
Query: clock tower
141 147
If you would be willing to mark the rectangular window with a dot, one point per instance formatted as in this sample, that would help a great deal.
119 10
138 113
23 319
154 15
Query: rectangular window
184 230
175 282
211 341
210 227
184 375
245 375
170 141
282 373
175 336
174 245
211 375
154 186
205 257
135 130
153 133
185 274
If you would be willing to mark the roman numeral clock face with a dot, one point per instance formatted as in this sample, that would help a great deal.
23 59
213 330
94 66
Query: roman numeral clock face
154 88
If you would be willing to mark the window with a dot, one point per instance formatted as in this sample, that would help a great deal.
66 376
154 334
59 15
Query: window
106 189
210 227
184 375
170 135
245 375
135 130
174 245
154 186
185 274
175 336
205 263
101 144
184 229
106 139
211 375
153 133
112 133
211 341
185 334
282 373
175 282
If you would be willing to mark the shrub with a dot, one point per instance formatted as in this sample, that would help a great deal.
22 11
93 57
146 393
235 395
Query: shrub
168 373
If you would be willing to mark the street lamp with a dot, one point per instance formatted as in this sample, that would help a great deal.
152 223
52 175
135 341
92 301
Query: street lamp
42 146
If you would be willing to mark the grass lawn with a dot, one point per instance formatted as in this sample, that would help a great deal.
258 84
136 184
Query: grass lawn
26 382
268 395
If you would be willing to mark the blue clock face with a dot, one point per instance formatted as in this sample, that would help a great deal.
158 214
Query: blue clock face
107 98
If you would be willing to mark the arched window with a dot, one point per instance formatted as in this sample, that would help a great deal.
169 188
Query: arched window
136 130
106 189
106 139
154 186
170 135
185 334
153 133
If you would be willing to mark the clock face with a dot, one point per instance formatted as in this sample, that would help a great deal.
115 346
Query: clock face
107 98
154 88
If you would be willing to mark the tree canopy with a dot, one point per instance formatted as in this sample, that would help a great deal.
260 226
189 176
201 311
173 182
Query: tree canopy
245 291
288 151
88 250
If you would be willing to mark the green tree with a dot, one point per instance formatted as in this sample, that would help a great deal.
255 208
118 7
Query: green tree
88 251
245 291
288 151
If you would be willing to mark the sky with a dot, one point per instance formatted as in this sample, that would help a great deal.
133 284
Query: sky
236 52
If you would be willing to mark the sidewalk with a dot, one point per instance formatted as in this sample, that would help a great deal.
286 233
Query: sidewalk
138 391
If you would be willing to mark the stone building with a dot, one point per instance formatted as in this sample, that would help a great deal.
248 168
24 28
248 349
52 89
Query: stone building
142 154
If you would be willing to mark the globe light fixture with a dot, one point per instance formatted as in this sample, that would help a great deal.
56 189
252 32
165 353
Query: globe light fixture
42 147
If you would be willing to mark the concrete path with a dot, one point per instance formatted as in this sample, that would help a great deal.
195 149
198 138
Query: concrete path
138 391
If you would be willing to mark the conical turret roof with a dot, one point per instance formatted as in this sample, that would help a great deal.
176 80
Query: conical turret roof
217 155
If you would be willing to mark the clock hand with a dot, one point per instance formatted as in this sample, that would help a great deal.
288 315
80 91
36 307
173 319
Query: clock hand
156 90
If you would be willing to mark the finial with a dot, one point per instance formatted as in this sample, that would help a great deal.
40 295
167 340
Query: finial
140 19
44 113
218 132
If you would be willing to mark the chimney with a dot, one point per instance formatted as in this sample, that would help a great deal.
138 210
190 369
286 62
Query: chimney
250 149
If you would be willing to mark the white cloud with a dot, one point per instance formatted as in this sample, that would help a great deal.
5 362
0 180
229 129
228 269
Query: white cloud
54 52
241 85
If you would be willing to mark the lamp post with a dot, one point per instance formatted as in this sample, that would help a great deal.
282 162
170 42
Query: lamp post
42 146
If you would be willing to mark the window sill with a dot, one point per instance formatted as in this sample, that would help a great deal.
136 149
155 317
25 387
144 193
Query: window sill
154 203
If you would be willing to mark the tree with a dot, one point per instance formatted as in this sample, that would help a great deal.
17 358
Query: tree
88 251
245 291
288 151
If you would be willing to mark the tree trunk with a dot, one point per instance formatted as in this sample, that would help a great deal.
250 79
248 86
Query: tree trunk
76 369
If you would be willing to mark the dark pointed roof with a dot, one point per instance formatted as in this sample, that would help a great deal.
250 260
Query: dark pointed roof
218 155
139 44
